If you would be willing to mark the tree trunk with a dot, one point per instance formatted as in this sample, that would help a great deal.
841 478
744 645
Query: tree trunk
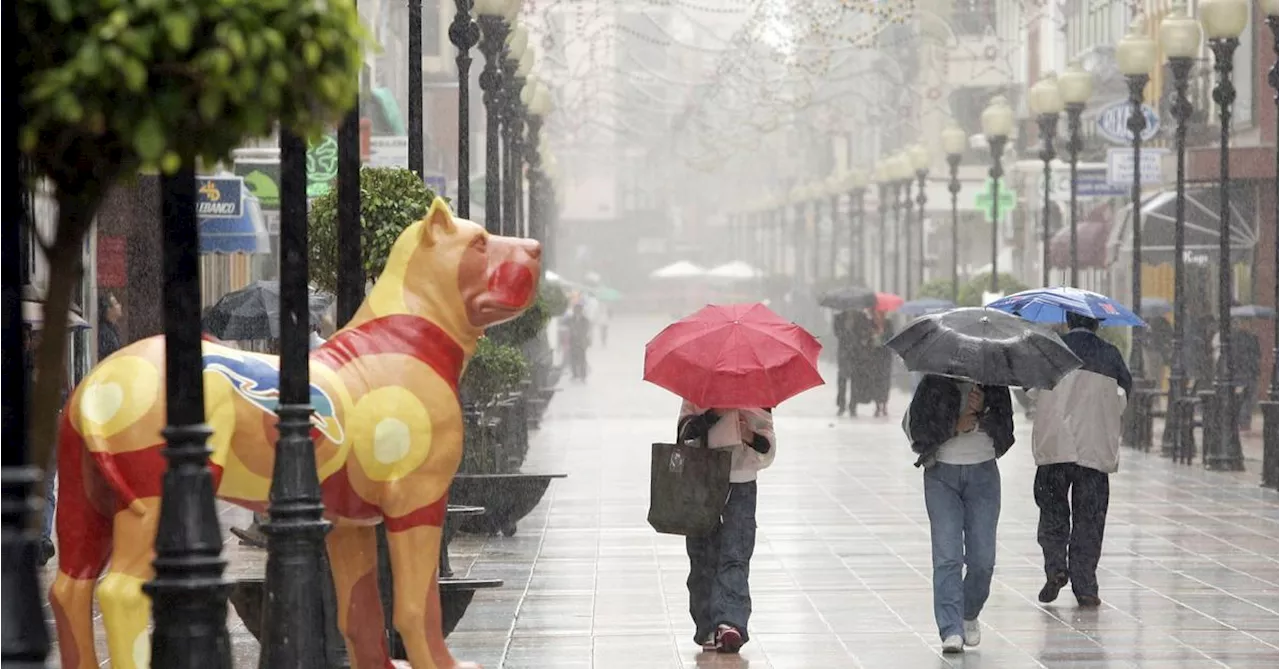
75 215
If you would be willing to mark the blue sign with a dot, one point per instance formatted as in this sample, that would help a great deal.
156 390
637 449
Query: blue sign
1113 122
219 197
436 183
1094 183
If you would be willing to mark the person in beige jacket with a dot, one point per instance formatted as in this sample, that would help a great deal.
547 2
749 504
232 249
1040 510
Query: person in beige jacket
1076 444
720 562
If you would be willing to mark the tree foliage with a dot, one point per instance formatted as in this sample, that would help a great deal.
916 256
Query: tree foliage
971 289
493 370
527 325
391 199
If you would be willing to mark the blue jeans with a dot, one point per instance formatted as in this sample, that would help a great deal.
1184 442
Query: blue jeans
963 502
50 499
719 565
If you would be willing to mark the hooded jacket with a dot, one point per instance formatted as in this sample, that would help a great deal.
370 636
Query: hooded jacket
1079 421
935 409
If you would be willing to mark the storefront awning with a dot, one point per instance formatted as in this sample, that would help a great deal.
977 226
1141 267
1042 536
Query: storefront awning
1202 231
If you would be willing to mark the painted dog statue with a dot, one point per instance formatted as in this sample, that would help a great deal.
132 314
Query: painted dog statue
388 438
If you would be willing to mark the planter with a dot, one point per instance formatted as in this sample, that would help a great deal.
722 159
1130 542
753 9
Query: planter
506 499
450 530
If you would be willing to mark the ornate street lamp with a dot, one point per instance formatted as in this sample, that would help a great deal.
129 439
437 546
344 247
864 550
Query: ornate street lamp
834 189
464 33
1180 37
812 196
520 117
997 125
920 163
899 175
1223 21
1271 407
906 176
494 27
512 125
1076 87
1136 56
857 185
954 141
884 183
1046 103
539 106
547 204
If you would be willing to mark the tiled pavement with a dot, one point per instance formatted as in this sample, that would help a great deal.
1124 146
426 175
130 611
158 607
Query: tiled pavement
841 573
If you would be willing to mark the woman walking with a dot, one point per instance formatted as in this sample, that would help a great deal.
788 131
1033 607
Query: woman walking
958 429
719 562
882 362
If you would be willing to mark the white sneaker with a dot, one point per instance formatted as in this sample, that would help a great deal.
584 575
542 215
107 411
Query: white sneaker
953 644
972 632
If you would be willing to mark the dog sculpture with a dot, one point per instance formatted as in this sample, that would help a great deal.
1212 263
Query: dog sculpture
388 438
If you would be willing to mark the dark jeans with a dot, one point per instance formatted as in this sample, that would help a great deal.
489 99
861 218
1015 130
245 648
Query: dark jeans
719 565
1070 532
578 362
1248 397
963 502
844 385
50 498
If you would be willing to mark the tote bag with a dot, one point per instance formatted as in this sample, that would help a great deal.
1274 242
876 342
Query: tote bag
688 486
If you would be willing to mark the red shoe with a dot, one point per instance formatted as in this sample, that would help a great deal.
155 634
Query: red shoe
728 639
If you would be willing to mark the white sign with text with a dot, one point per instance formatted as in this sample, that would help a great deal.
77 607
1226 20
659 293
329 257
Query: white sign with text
1120 166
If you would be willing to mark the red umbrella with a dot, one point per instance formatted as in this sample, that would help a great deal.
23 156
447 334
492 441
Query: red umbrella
733 357
888 302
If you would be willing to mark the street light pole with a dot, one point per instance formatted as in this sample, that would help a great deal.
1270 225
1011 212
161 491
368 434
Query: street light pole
1223 21
920 161
493 33
416 159
1180 36
1076 87
954 142
882 183
1046 103
1271 407
464 33
997 125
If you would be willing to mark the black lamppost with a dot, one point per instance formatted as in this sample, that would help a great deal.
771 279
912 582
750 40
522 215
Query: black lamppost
835 188
857 184
512 124
954 142
1271 407
539 106
1076 87
188 593
293 632
1046 103
494 26
897 169
416 151
920 163
1180 37
464 33
1136 55
1223 21
884 190
906 176
997 124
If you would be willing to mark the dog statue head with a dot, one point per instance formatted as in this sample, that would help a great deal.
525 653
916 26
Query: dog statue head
455 274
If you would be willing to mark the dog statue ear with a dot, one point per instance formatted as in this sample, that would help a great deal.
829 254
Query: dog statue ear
438 218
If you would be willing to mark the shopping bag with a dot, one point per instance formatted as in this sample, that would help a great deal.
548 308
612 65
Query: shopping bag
688 486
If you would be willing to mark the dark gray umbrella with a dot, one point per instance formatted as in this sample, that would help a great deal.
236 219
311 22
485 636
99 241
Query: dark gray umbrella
848 297
984 345
253 312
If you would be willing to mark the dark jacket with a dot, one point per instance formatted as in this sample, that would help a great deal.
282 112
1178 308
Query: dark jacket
1099 356
108 339
935 409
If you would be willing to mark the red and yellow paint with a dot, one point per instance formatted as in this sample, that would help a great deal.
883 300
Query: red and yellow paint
388 443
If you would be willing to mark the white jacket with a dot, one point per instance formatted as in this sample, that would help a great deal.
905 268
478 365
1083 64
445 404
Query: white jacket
1079 421
726 433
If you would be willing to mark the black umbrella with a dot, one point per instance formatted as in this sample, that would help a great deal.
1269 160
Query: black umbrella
1252 311
984 345
848 297
253 312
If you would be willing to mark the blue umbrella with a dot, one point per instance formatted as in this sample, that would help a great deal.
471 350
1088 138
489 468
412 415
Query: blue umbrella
926 305
1050 305
1154 307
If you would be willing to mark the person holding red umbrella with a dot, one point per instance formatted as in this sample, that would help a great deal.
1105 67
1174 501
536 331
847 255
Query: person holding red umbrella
731 364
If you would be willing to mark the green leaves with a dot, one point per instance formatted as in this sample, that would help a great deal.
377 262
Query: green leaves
135 82
494 369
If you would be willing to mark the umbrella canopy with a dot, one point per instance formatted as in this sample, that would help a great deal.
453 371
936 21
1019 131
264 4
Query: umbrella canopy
848 297
1154 307
733 357
253 312
1252 311
1050 305
984 345
737 270
927 305
678 270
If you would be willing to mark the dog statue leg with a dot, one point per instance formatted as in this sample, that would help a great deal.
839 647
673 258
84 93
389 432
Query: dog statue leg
353 559
126 611
415 557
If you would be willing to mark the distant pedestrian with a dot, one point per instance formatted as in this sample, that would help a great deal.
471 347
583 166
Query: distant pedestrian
720 562
579 329
1076 444
958 429
1159 348
1244 369
881 363
109 313
853 343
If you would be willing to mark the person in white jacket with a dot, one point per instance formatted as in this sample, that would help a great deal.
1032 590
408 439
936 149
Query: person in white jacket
1076 444
719 563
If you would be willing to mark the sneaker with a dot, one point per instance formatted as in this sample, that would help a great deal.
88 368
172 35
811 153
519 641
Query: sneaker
953 644
709 643
972 632
47 550
1051 587
1088 601
728 639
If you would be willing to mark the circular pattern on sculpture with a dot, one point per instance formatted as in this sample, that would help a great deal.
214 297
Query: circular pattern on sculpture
391 431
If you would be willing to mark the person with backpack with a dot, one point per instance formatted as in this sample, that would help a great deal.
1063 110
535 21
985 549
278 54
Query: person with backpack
719 562
958 429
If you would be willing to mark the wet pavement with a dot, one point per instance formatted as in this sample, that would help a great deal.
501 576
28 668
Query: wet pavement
841 573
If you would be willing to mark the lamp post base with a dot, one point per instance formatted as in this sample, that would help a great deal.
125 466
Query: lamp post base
1222 451
1270 443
